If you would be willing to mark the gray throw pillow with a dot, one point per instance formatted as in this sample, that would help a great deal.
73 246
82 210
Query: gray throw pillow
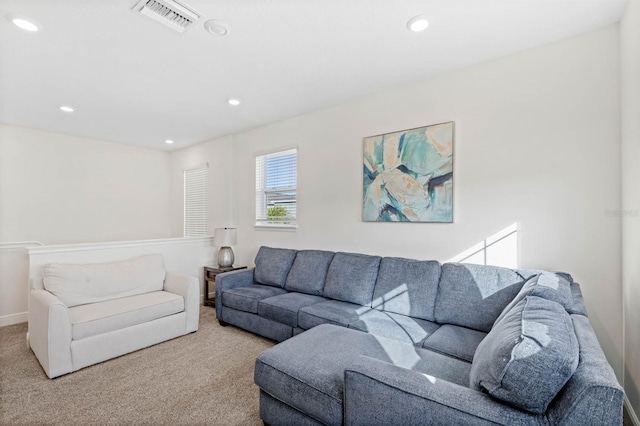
546 285
528 356
273 265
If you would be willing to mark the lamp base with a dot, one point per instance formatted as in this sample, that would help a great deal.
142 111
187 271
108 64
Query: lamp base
225 257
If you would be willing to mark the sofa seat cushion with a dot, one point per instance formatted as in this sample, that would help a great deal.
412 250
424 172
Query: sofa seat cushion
455 341
546 285
351 278
330 312
473 296
90 283
246 299
309 271
273 265
528 356
408 287
307 371
284 307
102 317
395 326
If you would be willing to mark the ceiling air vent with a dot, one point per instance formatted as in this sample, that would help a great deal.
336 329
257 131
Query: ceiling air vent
171 13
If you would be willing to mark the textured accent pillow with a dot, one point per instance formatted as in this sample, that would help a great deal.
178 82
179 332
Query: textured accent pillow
273 265
91 283
548 286
309 271
351 278
407 287
528 356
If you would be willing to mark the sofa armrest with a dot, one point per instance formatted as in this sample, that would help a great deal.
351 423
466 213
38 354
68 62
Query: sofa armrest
376 392
50 332
233 279
188 287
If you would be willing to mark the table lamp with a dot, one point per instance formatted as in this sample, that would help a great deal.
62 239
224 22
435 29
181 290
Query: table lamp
225 238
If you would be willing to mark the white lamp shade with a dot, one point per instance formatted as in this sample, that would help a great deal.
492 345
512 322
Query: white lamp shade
225 237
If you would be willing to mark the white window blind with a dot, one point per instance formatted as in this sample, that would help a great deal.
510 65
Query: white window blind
276 186
195 201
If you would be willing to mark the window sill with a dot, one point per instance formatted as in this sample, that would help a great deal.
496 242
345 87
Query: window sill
288 228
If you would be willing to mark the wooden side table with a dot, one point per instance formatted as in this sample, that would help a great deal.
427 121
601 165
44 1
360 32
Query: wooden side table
210 273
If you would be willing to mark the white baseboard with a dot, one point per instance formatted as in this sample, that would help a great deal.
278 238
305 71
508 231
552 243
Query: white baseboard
632 414
13 319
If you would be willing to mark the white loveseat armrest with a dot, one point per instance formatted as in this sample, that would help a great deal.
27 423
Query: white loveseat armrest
188 287
50 332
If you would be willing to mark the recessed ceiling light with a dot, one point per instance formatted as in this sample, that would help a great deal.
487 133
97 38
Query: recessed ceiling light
217 28
66 108
24 23
169 141
234 102
418 23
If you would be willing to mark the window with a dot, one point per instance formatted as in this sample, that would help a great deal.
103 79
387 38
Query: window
195 201
276 182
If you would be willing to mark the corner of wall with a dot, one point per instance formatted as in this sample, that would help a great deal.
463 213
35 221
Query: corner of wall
630 152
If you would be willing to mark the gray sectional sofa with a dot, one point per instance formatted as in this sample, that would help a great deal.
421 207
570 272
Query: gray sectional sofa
400 341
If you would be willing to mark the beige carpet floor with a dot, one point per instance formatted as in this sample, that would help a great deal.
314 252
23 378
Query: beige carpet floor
202 378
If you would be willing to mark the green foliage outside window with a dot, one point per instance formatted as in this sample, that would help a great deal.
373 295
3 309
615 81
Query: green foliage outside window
277 214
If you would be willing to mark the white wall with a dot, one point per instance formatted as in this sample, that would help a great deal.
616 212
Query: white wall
630 101
64 189
218 153
537 142
60 189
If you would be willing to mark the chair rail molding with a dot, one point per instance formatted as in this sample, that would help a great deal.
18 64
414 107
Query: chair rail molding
62 248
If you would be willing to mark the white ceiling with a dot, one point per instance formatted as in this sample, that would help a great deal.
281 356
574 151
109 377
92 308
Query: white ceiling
134 81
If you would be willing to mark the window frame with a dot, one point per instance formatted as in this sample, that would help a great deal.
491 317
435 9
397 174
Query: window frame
260 223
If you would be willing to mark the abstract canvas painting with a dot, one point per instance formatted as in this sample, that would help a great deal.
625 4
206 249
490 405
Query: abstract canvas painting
408 175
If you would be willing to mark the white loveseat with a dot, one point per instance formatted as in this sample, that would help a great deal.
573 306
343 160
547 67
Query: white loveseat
80 315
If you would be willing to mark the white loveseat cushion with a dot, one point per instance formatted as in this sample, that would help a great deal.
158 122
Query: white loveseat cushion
103 317
81 284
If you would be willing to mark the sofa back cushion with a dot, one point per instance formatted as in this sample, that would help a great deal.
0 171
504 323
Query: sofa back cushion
473 296
309 271
273 265
408 287
90 283
351 278
528 356
546 285
577 301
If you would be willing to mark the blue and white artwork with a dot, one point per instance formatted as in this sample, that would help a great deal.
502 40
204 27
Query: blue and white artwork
408 175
